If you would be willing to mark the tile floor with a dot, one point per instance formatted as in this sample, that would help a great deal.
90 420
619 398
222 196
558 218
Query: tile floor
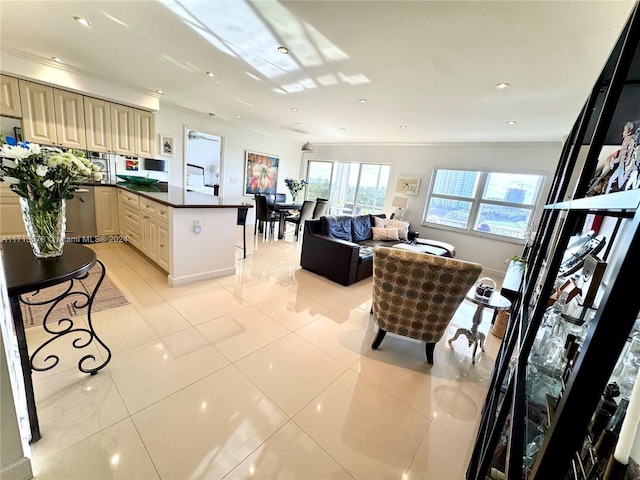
268 374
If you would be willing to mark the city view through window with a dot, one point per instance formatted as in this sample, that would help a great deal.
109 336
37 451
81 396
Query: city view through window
493 203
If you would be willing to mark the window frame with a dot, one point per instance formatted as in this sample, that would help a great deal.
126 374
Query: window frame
477 201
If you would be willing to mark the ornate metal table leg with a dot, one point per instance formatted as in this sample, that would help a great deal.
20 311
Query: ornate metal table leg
65 326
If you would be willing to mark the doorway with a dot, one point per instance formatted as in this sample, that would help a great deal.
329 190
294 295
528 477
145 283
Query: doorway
203 161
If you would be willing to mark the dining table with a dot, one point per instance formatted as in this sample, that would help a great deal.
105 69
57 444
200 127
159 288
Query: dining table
283 208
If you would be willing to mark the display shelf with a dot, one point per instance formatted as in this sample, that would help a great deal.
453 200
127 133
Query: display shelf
627 201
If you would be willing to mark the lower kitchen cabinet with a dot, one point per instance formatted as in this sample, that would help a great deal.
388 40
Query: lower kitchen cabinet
11 223
106 205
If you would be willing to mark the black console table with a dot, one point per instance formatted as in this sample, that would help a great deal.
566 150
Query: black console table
26 273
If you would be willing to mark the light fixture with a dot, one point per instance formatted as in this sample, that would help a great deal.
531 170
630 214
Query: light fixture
160 92
82 21
401 204
511 122
363 100
502 86
211 74
307 147
294 109
403 127
56 59
283 50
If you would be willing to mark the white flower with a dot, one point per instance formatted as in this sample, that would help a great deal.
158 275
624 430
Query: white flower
9 163
11 180
34 148
41 170
97 176
15 152
48 183
96 167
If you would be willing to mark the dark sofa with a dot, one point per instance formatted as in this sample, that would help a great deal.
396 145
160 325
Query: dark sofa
340 248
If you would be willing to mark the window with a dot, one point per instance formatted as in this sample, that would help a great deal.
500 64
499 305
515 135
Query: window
352 188
486 203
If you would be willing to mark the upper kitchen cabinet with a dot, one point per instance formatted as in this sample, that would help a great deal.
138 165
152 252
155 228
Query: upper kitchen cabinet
122 128
69 112
98 124
38 115
9 97
144 133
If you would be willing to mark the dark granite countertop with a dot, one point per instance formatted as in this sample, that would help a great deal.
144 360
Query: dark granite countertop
178 197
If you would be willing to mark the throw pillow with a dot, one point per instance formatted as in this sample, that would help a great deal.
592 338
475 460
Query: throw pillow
380 222
403 228
361 228
385 233
336 226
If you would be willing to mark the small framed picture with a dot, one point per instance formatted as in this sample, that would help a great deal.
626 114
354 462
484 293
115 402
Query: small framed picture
166 145
17 131
409 185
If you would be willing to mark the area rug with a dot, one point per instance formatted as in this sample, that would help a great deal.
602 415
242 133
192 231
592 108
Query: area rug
108 296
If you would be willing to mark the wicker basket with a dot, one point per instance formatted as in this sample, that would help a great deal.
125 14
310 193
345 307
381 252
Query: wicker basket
500 325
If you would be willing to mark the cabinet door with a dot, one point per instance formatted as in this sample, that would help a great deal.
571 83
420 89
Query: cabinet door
163 244
147 234
98 124
122 129
38 113
144 133
11 223
69 112
107 217
9 97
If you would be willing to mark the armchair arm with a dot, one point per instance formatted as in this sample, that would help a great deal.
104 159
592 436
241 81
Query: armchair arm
334 259
436 243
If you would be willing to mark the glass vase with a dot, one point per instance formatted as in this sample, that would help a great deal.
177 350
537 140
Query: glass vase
45 226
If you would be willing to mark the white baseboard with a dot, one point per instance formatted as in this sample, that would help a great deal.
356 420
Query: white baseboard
185 280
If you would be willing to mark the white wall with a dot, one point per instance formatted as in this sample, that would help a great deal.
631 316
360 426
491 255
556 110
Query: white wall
422 159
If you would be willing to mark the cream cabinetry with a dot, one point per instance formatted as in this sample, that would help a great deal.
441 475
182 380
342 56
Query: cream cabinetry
145 223
11 223
144 133
38 115
9 97
106 205
155 231
122 129
69 119
98 124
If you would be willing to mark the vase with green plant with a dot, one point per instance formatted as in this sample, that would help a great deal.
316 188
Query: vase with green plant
44 178
295 185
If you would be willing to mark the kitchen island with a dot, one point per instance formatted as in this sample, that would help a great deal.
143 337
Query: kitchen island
190 235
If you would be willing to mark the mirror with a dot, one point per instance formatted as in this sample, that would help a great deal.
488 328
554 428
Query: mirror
203 161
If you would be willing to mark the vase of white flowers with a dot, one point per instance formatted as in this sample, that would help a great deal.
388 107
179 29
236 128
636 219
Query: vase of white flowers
295 186
44 178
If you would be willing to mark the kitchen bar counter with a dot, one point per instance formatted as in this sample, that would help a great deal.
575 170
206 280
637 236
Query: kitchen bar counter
178 197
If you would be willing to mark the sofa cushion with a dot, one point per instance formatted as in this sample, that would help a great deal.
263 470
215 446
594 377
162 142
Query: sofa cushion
380 222
403 228
336 226
385 233
361 228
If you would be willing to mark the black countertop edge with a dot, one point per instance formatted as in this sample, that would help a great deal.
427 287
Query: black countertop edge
196 199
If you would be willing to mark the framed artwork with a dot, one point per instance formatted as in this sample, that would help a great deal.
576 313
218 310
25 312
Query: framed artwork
166 145
17 131
132 164
408 185
261 173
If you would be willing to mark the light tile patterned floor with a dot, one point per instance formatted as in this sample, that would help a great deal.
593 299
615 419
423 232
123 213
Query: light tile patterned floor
268 374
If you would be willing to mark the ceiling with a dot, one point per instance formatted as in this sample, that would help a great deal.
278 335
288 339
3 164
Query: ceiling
428 70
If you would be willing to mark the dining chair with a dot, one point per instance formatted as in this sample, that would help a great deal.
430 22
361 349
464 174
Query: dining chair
416 294
322 204
281 197
242 220
306 212
264 217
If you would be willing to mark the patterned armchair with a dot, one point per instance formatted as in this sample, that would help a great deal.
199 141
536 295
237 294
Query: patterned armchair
417 294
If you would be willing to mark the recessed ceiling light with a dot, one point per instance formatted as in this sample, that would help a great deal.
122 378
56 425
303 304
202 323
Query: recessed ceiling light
160 92
56 59
294 109
363 100
212 114
82 21
403 126
511 122
237 116
342 129
283 50
502 86
211 74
